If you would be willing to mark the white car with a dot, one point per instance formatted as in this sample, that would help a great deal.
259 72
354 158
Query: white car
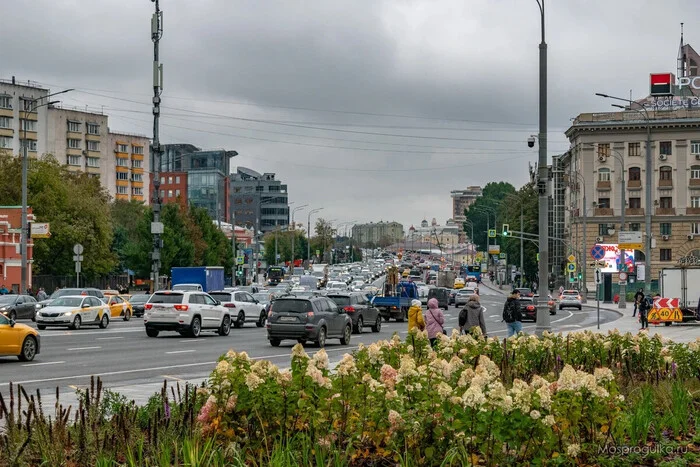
243 307
463 295
74 311
336 286
187 287
188 313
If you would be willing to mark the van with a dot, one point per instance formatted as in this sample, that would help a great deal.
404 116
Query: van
441 294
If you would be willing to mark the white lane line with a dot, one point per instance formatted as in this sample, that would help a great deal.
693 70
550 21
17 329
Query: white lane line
157 368
494 316
192 341
84 348
180 351
107 338
45 334
562 319
43 363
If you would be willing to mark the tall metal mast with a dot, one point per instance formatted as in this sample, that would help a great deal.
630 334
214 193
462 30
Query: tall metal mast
156 150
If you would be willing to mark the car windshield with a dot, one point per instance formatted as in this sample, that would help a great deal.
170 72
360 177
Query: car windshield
142 298
340 300
64 292
67 301
221 296
7 298
165 297
262 297
186 287
291 306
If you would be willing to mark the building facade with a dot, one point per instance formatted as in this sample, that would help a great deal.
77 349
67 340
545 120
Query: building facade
259 200
461 200
20 122
127 167
376 232
10 256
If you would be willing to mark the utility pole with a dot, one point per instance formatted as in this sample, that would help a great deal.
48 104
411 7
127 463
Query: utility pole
156 150
522 271
234 245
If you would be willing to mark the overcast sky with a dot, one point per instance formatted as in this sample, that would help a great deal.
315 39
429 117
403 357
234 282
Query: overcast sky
372 109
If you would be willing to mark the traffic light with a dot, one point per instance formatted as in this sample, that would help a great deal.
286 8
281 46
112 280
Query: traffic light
580 276
506 230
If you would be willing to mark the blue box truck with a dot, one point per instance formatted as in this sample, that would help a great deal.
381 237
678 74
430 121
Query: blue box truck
209 278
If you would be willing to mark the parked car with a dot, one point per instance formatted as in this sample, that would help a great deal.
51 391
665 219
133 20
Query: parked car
188 313
119 307
463 296
72 291
360 310
244 308
18 340
442 294
570 298
528 309
74 311
137 301
19 307
307 319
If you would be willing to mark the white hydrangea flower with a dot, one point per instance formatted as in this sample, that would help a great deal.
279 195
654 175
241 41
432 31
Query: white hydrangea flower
573 450
253 381
549 420
535 415
320 360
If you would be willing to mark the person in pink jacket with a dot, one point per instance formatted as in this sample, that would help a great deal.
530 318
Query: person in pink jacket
435 321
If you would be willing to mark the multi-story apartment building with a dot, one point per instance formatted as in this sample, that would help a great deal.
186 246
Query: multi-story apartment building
23 120
461 200
374 232
259 200
79 140
127 164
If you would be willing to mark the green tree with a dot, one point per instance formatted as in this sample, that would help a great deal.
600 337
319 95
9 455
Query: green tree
284 246
212 247
491 198
510 213
126 218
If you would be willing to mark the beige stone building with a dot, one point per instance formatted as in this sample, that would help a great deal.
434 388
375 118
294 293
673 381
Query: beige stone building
22 121
600 142
78 139
374 232
461 200
128 167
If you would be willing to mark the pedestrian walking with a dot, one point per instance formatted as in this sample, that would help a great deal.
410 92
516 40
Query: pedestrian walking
472 317
638 297
644 307
41 294
3 290
534 287
512 315
415 316
435 321
561 290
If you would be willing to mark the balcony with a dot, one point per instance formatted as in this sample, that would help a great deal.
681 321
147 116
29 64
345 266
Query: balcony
663 183
634 184
692 210
603 185
665 211
634 211
603 212
694 182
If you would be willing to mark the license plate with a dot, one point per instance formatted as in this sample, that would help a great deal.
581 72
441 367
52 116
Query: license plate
288 319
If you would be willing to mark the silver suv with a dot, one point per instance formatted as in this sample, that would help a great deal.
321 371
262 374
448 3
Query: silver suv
188 313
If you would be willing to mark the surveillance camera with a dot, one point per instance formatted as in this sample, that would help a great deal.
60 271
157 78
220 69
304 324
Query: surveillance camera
531 142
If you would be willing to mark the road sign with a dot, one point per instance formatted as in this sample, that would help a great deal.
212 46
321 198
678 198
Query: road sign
502 255
571 267
318 252
239 260
77 267
494 249
598 252
538 257
630 241
78 258
40 230
78 249
666 302
623 277
598 276
571 258
492 233
641 272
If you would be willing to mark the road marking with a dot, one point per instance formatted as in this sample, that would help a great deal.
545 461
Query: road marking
107 338
42 363
562 319
172 377
494 316
180 351
570 326
84 348
192 341
44 334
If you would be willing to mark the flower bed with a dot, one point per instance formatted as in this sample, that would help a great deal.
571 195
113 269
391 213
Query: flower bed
584 398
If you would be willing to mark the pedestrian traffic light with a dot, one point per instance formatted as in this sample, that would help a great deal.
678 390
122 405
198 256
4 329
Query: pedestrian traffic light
506 230
580 276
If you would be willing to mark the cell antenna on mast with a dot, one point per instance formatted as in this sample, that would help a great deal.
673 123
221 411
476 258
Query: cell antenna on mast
682 69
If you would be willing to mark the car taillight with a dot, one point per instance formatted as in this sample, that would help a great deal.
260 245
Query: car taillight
310 314
349 309
182 307
578 297
229 305
530 308
148 306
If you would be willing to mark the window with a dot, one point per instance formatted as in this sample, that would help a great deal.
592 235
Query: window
5 122
122 190
602 229
635 173
162 180
74 127
93 129
666 202
27 125
665 228
5 102
137 164
695 201
136 177
634 149
695 147
73 143
635 226
604 150
5 142
604 175
177 180
29 143
122 162
138 191
604 203
136 149
666 254
74 160
695 228
170 180
177 193
93 162
695 172
122 176
665 147
635 203
170 193
122 148
162 194
93 145
665 173
27 104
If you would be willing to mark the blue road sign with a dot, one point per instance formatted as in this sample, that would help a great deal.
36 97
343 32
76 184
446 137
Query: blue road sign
597 252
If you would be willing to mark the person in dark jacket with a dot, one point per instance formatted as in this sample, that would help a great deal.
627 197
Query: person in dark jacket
644 307
512 315
638 297
472 316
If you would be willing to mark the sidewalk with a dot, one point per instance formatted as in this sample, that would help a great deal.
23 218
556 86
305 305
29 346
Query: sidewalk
678 332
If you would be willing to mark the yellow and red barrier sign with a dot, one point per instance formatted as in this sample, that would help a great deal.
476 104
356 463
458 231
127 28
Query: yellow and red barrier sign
665 310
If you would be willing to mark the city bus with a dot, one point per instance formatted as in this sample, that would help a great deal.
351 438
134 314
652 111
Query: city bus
274 275
472 271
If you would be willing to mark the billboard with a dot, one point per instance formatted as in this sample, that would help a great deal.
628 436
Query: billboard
612 259
660 84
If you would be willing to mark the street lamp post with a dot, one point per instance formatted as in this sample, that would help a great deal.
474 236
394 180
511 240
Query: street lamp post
487 210
471 226
24 237
649 179
585 245
308 233
294 232
522 246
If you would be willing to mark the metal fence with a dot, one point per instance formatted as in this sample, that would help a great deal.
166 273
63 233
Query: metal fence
50 283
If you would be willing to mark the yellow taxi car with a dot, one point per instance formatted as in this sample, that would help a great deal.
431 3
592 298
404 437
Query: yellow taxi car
74 311
119 307
18 339
459 283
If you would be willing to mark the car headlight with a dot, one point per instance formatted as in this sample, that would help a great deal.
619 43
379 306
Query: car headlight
3 308
67 313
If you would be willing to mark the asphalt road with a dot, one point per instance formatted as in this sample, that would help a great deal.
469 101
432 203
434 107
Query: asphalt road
126 359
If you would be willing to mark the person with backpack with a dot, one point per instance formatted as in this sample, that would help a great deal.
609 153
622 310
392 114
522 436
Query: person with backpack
644 307
415 316
638 297
472 316
512 315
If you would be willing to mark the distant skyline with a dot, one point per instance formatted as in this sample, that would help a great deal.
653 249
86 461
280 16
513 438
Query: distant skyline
371 109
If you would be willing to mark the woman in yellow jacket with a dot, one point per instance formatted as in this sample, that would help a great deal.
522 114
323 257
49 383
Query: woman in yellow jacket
415 316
